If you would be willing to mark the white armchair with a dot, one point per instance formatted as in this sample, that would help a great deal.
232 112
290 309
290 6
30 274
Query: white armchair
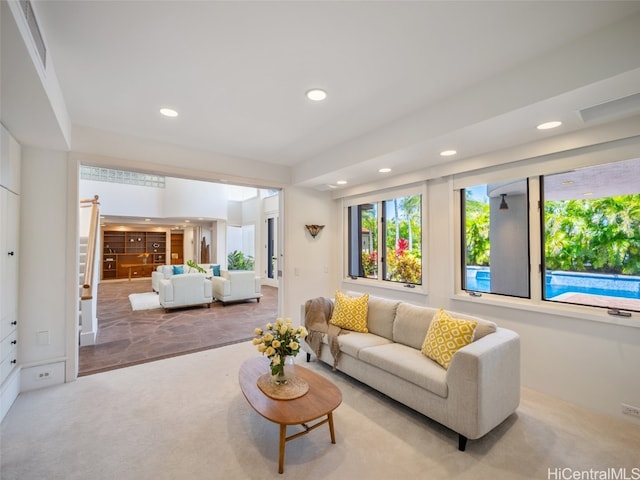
167 271
235 285
185 290
161 272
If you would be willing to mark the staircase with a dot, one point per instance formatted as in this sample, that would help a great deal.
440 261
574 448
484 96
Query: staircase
87 284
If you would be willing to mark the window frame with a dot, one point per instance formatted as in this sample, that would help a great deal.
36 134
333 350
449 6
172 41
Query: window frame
377 198
463 245
533 169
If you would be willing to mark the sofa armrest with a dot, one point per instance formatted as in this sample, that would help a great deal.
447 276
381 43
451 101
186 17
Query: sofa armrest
484 382
221 287
165 291
208 288
156 276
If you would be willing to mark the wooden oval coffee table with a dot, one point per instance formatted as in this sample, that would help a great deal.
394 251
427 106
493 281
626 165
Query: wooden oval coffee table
322 398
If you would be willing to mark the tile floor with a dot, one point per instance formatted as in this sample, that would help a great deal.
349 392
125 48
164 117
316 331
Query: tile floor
126 337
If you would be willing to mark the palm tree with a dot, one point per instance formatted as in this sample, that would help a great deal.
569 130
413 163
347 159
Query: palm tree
411 205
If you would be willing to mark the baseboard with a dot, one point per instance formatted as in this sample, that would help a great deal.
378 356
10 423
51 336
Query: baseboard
9 392
87 338
40 376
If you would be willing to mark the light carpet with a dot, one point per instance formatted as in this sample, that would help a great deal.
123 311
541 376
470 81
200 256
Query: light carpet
186 418
144 301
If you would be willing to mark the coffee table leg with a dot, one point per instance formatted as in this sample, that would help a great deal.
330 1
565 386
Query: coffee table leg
331 430
283 439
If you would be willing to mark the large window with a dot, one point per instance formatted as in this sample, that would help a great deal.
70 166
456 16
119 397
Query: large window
583 248
591 222
385 240
496 239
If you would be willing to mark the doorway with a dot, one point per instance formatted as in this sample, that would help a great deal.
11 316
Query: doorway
243 205
271 250
177 248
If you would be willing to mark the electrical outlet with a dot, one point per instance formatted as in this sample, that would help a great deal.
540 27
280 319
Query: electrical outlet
631 410
44 375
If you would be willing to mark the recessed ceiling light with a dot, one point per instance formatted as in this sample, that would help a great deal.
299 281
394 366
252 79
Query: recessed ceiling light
147 219
447 153
567 182
331 186
316 94
587 194
549 125
341 182
168 112
187 221
384 170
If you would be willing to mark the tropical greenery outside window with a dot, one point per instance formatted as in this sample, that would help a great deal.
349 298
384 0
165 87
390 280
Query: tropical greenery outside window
588 229
591 222
495 242
385 240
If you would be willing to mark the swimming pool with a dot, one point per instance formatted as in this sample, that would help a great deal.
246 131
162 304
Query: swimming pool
558 283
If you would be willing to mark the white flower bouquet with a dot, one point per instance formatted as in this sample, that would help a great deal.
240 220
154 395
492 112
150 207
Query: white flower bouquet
277 341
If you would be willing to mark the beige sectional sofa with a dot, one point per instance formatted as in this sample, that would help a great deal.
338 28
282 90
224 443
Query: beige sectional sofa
478 391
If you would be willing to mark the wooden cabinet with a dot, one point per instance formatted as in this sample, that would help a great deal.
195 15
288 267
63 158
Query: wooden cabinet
132 253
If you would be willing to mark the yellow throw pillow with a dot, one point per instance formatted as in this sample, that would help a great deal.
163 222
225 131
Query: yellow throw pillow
447 335
350 313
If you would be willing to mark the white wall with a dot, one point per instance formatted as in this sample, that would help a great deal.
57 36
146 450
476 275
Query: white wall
180 198
127 200
234 212
311 266
48 288
193 198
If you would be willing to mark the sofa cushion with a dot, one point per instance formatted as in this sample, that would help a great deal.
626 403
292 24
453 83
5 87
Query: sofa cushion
380 316
350 313
167 271
483 328
354 342
178 269
411 324
447 335
215 269
409 364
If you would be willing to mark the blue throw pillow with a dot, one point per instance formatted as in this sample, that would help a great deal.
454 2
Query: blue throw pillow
216 270
178 269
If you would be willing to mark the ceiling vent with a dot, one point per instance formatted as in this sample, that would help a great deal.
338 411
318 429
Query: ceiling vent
614 109
32 23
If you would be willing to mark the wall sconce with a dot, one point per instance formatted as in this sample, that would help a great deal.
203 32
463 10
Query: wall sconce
314 229
503 203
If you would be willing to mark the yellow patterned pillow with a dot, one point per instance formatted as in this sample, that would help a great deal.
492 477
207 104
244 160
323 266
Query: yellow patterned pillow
350 313
447 335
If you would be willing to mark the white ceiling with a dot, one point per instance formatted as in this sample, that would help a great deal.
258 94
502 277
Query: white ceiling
405 79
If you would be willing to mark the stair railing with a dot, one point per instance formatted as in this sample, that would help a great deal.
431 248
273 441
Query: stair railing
91 248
